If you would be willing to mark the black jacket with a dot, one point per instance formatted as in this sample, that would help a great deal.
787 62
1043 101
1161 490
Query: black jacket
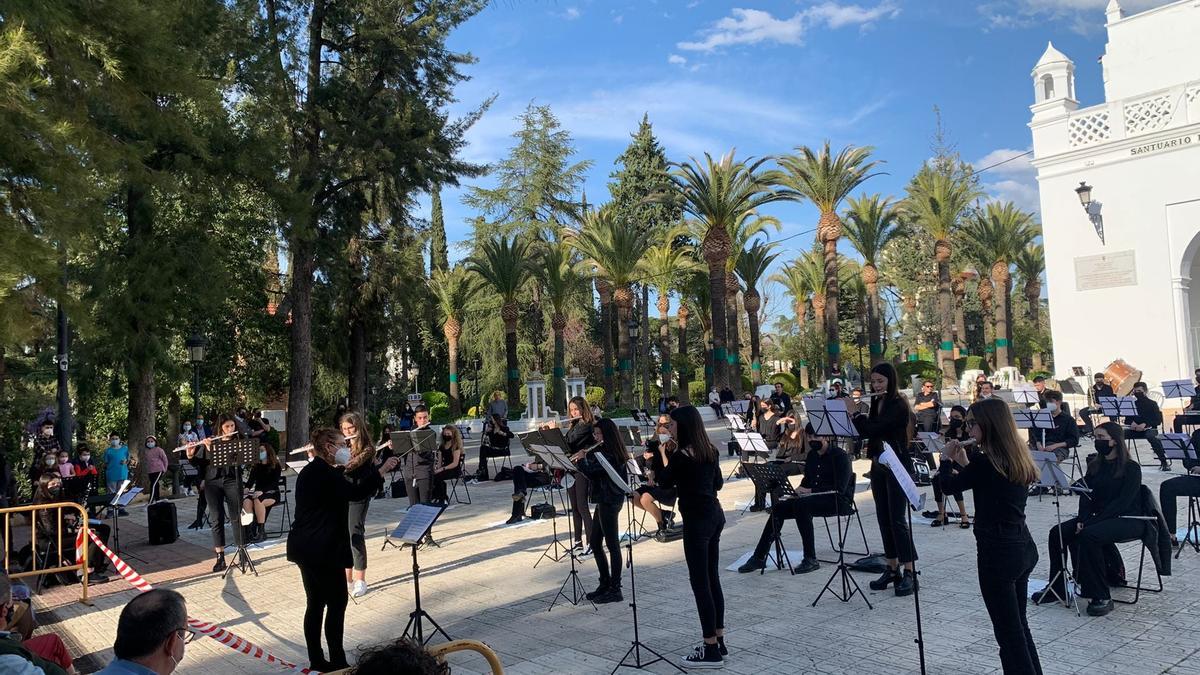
319 535
579 436
601 489
1147 412
264 478
364 481
831 471
887 423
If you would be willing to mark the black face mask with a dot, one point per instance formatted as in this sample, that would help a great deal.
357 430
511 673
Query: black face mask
955 423
1139 394
814 445
1103 447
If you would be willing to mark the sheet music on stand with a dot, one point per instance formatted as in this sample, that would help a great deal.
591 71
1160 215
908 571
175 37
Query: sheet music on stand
1178 389
125 494
772 480
297 466
900 472
933 441
631 437
1033 418
736 422
419 440
1118 406
829 417
1178 446
1051 474
751 443
739 407
613 475
416 523
1025 395
542 446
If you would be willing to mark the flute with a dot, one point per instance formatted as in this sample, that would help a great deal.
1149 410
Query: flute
188 446
309 447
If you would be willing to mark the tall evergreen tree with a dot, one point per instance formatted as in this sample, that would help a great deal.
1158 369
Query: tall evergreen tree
439 251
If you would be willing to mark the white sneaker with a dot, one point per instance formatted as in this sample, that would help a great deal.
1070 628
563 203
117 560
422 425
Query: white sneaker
247 518
359 589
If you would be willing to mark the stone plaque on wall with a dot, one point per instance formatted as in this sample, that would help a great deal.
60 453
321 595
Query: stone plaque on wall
1107 270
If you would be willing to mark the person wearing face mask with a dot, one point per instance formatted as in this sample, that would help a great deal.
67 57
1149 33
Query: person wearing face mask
1144 425
1064 435
65 468
222 486
365 479
650 494
85 466
116 464
1115 482
45 441
50 491
986 390
449 463
998 474
156 465
27 657
946 468
200 429
319 544
151 634
262 490
826 469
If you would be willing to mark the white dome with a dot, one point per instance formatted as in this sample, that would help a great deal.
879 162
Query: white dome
1052 55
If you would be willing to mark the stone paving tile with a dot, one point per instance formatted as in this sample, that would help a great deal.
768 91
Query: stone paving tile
481 584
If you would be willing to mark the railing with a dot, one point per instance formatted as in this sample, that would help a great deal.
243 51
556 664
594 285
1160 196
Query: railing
81 563
1134 116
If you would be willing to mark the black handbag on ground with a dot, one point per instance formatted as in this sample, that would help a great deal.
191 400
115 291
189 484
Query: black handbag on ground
544 510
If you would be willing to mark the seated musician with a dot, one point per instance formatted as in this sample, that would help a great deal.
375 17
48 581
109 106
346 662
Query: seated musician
1115 481
526 477
838 390
928 407
650 494
790 451
1180 486
493 443
767 426
955 431
1191 414
449 465
1145 424
262 490
986 390
858 405
50 491
1100 389
1064 435
826 469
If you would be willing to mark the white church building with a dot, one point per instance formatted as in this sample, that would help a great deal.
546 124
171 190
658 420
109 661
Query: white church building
1122 263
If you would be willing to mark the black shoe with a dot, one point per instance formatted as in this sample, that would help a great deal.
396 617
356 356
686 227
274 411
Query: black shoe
937 522
753 565
755 508
612 594
807 565
1048 594
704 656
721 646
219 566
1166 466
600 590
668 519
1099 607
886 579
320 666
906 585
196 524
260 532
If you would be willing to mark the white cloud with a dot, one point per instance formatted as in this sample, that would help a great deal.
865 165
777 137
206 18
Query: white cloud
752 26
676 60
1011 177
571 14
1084 16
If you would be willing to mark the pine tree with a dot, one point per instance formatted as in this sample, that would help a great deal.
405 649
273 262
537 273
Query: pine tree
439 258
643 173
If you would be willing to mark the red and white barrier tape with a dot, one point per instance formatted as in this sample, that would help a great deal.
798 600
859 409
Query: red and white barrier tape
205 628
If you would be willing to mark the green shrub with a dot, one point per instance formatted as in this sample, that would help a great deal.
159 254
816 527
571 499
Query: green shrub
618 412
439 413
436 398
790 384
971 362
594 395
1044 373
747 383
697 392
925 369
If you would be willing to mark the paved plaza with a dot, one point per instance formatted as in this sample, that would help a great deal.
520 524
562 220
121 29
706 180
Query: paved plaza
482 584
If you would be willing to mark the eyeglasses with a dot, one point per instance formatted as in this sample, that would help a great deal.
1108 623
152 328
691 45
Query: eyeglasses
186 634
969 422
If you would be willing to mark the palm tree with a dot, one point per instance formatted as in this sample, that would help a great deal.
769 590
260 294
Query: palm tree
718 195
604 292
871 223
452 289
999 233
752 264
937 201
612 249
795 283
561 285
741 232
825 180
663 266
1031 263
806 274
959 276
502 262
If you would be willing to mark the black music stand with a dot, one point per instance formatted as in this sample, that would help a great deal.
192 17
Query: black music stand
636 646
412 529
536 447
120 500
1052 477
233 454
771 480
916 500
751 445
1178 389
1118 406
1179 446
850 586
406 445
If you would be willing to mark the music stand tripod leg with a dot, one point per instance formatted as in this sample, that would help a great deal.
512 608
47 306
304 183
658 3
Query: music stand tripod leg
1065 572
636 647
578 593
849 584
419 615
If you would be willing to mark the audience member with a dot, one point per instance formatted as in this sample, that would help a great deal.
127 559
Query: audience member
41 655
151 634
401 657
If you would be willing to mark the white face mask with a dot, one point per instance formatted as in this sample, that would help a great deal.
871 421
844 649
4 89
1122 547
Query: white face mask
187 427
115 442
342 456
151 444
262 455
1053 408
663 438
85 457
50 461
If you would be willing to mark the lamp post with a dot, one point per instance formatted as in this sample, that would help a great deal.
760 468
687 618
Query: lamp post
1091 207
635 331
476 363
196 345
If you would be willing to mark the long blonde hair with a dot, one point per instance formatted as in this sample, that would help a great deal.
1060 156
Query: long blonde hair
362 449
1000 442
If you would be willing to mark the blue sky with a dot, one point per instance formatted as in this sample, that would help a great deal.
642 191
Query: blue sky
765 77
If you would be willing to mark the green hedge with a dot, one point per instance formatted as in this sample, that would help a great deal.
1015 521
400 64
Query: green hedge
439 413
972 362
697 392
435 398
926 369
594 396
791 385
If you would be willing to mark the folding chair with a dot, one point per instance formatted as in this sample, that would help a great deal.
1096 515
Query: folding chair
851 513
455 483
1151 522
285 520
464 430
1192 536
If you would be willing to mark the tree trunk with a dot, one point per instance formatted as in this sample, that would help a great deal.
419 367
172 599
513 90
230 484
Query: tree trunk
732 330
174 420
685 371
1001 282
558 388
624 300
452 363
300 379
874 330
606 311
989 334
1033 294
664 342
960 321
752 302
645 350
139 220
513 376
358 364
946 310
832 346
715 248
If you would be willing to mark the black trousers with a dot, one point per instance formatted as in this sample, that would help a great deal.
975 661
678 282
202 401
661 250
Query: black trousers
227 491
1151 437
1087 551
789 469
325 598
890 506
1004 569
1086 414
1173 488
581 519
486 452
604 527
418 484
1186 418
701 549
357 522
802 510
439 482
938 493
523 479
